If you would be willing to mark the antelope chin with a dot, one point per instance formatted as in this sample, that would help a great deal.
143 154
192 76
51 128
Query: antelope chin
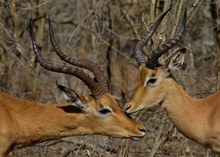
137 138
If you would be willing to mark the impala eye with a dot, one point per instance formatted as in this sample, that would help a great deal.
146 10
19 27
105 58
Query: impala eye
150 82
105 111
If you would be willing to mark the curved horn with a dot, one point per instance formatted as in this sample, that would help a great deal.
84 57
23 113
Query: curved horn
138 52
102 83
153 57
81 63
97 90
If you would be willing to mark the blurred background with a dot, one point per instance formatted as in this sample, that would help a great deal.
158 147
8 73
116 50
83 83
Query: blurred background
105 32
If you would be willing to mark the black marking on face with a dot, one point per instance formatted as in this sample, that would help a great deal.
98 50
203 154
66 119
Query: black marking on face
71 109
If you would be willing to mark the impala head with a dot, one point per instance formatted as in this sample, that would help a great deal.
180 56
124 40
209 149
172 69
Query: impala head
154 78
98 113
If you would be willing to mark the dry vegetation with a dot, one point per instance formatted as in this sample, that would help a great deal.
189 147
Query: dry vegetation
105 31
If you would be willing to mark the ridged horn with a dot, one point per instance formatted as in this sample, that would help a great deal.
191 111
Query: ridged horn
97 89
102 83
138 52
93 67
152 61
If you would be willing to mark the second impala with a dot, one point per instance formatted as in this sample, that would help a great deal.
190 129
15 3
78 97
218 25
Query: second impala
197 119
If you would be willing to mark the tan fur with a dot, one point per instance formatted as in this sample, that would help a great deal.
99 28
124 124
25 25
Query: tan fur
197 119
27 122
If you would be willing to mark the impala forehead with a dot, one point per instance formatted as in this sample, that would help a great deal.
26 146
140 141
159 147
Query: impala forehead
146 72
89 101
108 100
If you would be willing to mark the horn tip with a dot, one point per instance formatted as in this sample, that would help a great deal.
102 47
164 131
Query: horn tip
49 19
185 12
165 13
184 21
61 87
169 9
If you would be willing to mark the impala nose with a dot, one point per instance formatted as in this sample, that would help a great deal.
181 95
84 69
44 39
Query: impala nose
142 130
140 136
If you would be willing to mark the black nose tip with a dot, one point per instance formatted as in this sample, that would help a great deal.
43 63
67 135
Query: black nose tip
142 129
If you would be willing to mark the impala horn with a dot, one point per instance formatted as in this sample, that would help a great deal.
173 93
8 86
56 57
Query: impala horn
97 86
138 52
152 61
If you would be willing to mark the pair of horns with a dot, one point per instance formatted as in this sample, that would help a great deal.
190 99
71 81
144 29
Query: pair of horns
98 85
154 55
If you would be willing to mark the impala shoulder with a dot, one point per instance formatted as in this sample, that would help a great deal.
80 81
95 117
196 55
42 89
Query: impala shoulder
212 100
214 116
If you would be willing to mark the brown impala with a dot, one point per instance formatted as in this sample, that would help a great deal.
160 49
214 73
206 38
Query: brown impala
197 119
26 122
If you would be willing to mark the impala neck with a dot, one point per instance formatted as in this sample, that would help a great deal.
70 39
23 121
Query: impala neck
36 122
189 115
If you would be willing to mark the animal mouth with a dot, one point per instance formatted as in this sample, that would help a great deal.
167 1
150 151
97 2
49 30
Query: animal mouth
136 138
134 113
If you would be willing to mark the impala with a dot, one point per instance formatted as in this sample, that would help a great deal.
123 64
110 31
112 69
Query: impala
26 122
197 119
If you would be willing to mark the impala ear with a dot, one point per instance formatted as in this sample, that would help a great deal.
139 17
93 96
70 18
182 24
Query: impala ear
176 61
71 97
68 93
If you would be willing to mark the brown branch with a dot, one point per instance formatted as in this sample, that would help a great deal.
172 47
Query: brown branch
81 22
194 9
160 137
152 9
164 24
131 24
178 10
91 144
